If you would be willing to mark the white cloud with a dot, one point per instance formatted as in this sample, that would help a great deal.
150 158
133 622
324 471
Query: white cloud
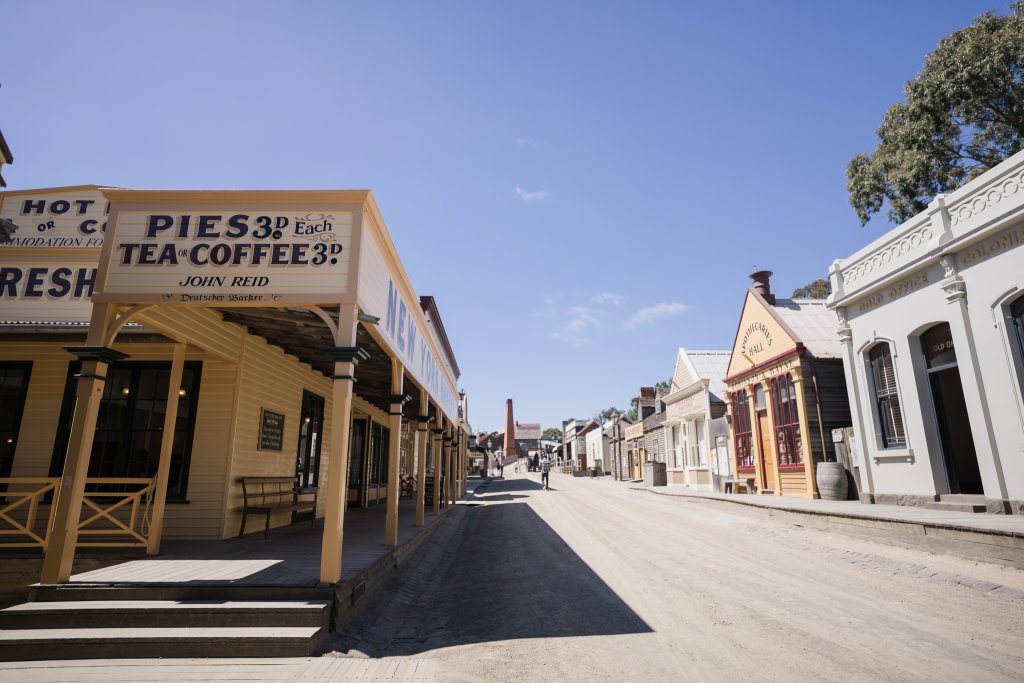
607 298
525 142
577 330
540 195
650 314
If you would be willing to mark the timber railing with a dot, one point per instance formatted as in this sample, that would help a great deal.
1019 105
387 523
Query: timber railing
116 512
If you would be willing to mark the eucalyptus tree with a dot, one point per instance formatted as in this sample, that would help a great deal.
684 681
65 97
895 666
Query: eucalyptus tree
962 115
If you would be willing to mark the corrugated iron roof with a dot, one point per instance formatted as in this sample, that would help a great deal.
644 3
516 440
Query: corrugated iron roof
813 324
712 366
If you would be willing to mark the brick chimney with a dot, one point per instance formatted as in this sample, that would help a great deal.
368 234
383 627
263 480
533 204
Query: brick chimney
762 284
510 431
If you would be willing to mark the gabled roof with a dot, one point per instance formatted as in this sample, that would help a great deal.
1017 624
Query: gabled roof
813 325
654 421
591 426
766 333
697 366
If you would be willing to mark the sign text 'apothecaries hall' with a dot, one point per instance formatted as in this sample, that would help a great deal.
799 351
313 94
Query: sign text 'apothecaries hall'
225 257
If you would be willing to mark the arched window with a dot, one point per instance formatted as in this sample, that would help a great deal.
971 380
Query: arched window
741 430
1017 318
787 420
887 398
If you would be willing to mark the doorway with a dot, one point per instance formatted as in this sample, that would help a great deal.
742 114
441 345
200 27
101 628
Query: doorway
958 454
356 486
311 424
767 452
307 458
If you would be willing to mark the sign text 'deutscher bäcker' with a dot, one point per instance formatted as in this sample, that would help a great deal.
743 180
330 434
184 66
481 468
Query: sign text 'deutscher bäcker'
224 258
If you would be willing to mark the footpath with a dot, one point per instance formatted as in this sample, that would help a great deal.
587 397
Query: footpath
982 537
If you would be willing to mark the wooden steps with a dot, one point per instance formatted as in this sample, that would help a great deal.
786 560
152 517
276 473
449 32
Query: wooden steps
134 643
90 622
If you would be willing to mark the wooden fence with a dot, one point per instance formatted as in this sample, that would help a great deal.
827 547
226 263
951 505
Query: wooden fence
116 512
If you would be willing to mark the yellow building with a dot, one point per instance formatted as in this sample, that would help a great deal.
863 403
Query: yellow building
786 391
157 347
636 455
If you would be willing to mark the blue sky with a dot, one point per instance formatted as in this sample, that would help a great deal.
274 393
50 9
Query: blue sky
583 186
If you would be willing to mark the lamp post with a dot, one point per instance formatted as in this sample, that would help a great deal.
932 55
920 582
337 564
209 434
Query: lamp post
618 445
487 458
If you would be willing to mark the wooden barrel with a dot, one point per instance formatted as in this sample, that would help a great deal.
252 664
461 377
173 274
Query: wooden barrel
831 478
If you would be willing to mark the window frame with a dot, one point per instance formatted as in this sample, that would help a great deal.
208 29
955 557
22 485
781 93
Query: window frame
17 415
742 433
178 494
1016 334
883 397
786 422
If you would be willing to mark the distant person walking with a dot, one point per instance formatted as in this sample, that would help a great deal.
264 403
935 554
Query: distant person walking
501 466
545 470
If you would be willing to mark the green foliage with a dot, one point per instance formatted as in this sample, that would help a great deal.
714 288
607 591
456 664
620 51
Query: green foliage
607 413
551 434
633 414
819 289
963 114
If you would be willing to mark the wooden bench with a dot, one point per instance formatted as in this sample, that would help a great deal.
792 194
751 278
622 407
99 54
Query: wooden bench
267 495
729 485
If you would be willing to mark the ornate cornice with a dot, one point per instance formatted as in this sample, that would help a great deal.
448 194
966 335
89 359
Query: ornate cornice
890 254
986 198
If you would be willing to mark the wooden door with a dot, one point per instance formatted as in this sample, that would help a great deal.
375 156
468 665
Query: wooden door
767 452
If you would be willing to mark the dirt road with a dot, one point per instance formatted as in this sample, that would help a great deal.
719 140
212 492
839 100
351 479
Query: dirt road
594 581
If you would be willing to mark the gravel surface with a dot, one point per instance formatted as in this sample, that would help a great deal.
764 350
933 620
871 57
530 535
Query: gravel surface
594 581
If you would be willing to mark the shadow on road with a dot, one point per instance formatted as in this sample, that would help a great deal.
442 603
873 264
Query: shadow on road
519 484
499 573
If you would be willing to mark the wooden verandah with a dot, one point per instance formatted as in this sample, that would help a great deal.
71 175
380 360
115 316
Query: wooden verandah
289 556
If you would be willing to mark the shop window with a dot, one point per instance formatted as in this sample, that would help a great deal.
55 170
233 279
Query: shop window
741 430
129 425
759 402
677 446
787 420
887 398
13 388
702 447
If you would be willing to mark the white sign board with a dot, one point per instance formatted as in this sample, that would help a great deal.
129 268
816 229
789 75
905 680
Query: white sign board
46 219
380 295
227 257
45 292
688 406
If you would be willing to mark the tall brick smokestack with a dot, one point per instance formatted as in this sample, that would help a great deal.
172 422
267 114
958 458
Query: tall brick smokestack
511 450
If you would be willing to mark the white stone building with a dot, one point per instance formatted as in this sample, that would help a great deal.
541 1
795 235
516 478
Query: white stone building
931 317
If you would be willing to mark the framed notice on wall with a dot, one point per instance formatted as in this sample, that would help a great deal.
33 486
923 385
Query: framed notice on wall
271 430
